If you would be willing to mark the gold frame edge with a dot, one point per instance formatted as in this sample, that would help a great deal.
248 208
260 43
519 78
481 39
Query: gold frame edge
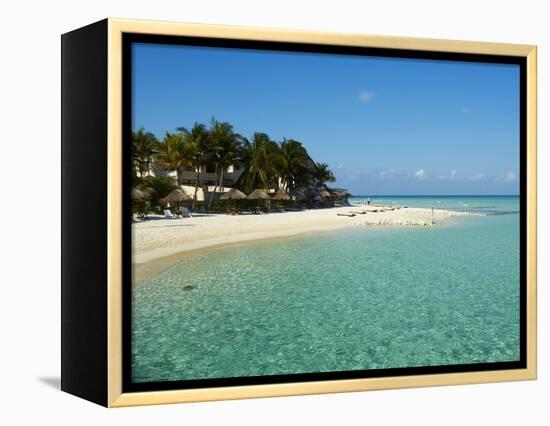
116 398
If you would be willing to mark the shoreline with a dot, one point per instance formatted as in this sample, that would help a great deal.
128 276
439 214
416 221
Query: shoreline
159 243
151 268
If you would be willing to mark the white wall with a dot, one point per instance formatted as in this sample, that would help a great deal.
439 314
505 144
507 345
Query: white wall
30 274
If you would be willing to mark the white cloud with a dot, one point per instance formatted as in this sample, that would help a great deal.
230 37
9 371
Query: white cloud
451 176
479 176
388 173
509 176
391 173
366 96
420 173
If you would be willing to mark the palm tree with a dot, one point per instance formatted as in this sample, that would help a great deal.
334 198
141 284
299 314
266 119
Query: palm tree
172 154
143 147
259 158
293 164
225 146
198 150
322 175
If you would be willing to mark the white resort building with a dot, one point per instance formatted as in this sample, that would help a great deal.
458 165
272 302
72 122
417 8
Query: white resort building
207 180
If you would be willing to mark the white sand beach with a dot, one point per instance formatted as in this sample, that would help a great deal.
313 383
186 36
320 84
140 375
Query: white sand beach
158 241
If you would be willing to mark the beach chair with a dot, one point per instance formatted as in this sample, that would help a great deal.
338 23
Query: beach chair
185 212
168 214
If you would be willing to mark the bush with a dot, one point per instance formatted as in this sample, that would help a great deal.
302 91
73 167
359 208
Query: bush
157 187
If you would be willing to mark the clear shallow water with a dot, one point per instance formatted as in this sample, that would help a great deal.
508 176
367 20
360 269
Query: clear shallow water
360 299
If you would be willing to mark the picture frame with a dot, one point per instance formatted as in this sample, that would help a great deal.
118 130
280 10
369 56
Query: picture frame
97 235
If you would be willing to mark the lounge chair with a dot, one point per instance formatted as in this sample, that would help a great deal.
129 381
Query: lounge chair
185 212
168 214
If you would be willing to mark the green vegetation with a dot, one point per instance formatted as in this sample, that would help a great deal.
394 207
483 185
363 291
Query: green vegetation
144 145
266 164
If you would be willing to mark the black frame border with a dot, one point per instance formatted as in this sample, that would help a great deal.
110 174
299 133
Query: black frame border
130 38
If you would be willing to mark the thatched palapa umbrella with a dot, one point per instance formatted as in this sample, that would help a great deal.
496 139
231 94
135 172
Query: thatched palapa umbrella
233 194
176 197
137 195
140 201
258 194
281 195
148 192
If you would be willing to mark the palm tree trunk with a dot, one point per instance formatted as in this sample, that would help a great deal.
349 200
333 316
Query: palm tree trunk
140 167
221 178
214 193
198 170
147 166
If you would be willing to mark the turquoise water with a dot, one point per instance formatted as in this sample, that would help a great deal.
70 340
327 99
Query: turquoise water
365 298
482 204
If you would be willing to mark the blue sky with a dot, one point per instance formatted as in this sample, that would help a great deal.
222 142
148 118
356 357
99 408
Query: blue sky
384 126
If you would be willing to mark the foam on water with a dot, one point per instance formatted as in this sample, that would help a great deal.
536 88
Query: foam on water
359 299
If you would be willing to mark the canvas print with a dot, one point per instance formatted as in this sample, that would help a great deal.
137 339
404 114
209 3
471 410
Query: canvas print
300 213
